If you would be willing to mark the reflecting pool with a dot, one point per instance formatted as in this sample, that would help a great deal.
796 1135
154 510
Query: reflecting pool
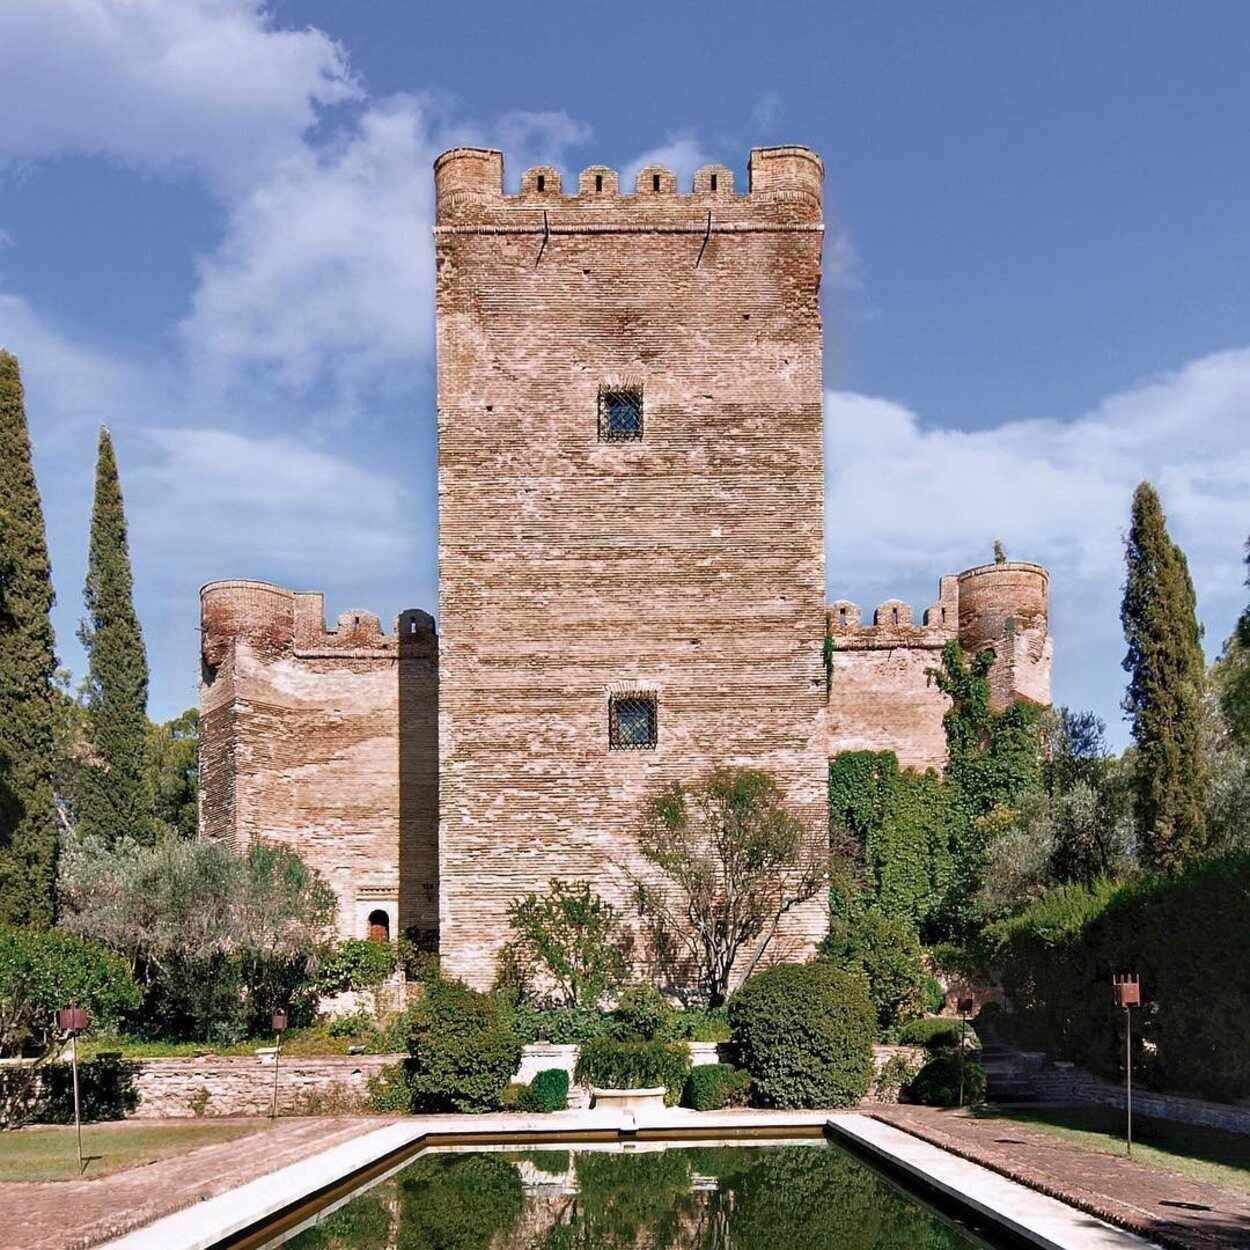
791 1196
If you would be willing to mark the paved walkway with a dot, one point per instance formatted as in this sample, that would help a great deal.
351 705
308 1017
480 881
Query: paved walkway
66 1215
1177 1211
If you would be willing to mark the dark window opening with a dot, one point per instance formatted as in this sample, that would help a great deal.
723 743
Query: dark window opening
598 182
655 182
379 926
542 182
620 414
841 616
632 722
713 182
894 616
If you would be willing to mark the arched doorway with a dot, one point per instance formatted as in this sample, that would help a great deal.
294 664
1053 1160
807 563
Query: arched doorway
379 926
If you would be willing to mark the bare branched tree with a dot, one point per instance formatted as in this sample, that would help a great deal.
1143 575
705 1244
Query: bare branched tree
733 860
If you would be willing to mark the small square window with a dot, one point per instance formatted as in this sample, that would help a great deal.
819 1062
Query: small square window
620 414
631 722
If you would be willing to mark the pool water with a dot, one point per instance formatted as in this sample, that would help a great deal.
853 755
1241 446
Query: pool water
792 1196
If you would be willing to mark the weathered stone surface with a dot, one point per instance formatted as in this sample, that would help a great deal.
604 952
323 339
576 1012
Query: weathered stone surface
687 564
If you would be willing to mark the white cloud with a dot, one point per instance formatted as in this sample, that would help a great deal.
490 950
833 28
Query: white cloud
208 87
906 503
216 499
765 113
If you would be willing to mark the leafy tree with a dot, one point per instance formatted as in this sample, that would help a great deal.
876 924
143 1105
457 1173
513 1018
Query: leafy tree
569 937
173 774
1164 699
114 797
734 860
217 938
28 820
42 971
1232 676
1075 749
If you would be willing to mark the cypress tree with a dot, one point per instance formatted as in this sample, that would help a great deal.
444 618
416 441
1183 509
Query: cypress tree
1232 676
1164 701
28 821
114 796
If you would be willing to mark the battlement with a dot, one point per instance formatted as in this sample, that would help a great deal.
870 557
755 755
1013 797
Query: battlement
893 623
785 187
275 621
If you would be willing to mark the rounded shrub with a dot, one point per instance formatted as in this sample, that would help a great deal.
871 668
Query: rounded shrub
548 1091
936 1033
711 1086
937 1083
805 1034
643 1014
463 1049
390 1090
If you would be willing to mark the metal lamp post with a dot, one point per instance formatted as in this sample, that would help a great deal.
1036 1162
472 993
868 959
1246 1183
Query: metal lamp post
965 1010
74 1020
279 1023
1127 990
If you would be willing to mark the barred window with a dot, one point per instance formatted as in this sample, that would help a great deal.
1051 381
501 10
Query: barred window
632 722
620 414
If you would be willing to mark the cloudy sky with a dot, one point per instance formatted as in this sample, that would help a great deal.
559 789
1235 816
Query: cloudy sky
214 237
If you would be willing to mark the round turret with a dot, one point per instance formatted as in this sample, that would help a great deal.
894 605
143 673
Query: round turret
464 177
789 173
992 594
259 613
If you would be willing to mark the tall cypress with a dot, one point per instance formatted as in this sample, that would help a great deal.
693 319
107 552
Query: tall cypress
28 821
114 796
1232 675
1166 673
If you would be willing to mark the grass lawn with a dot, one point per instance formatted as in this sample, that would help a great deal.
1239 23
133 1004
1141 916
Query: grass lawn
1210 1154
47 1152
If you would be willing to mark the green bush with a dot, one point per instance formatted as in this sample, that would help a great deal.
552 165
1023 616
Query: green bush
643 1014
354 964
892 1076
613 1064
711 1086
937 1083
390 1090
548 1091
887 953
1186 937
936 1033
710 1024
44 1093
565 1026
805 1033
44 970
463 1049
934 995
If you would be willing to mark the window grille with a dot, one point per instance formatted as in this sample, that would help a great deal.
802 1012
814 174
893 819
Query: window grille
620 414
632 722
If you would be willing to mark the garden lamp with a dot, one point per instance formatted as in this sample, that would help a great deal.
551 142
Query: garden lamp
1127 990
279 1022
74 1020
965 1006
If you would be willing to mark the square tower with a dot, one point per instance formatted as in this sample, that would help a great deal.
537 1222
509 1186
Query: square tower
631 517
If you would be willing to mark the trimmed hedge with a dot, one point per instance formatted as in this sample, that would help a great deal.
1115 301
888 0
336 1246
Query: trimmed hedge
611 1064
711 1086
548 1091
463 1049
805 1033
937 1083
1186 937
936 1033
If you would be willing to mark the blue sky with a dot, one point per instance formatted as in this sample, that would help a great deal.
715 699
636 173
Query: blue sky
214 237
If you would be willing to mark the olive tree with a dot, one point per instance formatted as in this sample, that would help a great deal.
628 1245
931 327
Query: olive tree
727 860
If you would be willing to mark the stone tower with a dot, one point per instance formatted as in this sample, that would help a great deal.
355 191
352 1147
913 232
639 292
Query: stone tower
630 507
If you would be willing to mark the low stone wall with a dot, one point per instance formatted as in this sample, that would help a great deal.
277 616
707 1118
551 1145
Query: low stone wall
332 1084
323 1085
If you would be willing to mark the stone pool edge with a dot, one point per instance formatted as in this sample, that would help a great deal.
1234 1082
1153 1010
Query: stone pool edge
206 1224
1026 1213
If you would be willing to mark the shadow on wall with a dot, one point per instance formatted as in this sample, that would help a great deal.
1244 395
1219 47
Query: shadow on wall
418 778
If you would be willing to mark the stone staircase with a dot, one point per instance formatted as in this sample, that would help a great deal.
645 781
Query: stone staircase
1013 1075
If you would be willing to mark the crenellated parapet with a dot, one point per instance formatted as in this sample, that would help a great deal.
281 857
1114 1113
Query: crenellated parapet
784 188
1001 606
274 622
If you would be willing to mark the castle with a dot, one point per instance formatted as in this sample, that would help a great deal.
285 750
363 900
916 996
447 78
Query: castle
632 570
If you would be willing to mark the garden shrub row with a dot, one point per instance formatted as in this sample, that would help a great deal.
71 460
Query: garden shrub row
936 1033
613 1064
1185 937
712 1086
548 1091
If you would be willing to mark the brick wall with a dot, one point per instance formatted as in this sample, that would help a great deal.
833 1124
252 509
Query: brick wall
689 563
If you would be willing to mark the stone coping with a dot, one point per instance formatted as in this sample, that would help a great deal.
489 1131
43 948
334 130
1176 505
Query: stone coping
1033 1217
1030 1216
